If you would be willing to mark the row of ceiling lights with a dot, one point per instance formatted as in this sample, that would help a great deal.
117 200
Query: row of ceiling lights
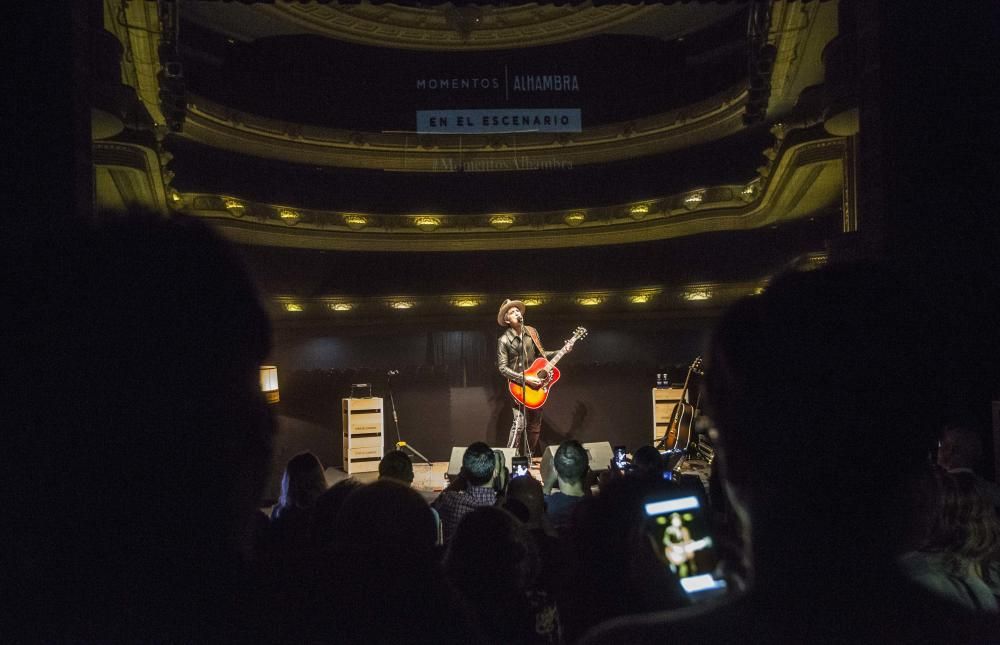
587 301
428 223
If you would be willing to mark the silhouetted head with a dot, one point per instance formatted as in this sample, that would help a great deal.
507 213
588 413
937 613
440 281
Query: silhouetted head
154 338
962 524
960 447
527 493
571 461
396 465
647 463
491 550
327 507
387 515
816 389
478 464
303 481
148 410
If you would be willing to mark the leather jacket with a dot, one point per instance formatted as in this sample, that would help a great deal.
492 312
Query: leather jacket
509 353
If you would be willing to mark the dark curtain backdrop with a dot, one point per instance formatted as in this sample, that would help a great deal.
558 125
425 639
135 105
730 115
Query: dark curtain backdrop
466 354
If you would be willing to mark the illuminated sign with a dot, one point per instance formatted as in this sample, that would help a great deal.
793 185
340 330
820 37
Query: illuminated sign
498 121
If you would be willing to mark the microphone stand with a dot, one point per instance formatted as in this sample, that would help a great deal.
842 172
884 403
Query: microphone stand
525 444
400 444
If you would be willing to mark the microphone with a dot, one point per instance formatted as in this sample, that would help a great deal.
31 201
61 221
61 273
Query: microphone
392 372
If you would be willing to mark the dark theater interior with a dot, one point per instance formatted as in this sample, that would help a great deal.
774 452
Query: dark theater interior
292 281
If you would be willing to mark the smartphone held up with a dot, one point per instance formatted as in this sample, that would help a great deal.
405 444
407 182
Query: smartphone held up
678 522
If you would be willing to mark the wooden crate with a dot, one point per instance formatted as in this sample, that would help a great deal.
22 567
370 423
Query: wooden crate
363 440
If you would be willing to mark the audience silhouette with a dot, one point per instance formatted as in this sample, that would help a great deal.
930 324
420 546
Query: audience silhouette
151 445
816 389
148 433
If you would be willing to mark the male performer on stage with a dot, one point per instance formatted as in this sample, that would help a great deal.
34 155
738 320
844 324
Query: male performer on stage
517 348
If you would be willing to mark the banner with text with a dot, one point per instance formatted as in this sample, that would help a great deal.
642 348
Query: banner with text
498 121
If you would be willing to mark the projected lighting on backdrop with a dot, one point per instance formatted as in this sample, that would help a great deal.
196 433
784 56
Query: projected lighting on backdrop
341 306
401 304
356 222
532 301
501 222
697 294
638 211
694 200
590 301
289 216
293 307
427 223
575 219
269 382
235 207
465 302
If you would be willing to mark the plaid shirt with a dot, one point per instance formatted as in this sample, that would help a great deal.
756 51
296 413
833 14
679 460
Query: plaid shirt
452 506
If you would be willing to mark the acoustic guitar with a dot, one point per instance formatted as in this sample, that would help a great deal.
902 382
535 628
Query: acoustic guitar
681 424
546 371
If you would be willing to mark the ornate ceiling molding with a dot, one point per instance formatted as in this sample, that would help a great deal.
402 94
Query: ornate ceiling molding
221 127
458 27
137 26
805 177
126 176
687 299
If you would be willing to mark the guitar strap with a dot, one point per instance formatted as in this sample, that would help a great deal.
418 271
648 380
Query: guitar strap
534 337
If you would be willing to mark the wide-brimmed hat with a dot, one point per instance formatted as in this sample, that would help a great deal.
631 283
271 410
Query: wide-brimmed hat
505 307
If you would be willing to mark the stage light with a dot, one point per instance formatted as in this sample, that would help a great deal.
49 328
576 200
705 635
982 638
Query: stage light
289 216
575 218
640 298
341 306
702 294
356 222
176 200
590 301
235 207
501 222
533 302
694 200
465 302
427 223
638 211
402 304
293 307
750 191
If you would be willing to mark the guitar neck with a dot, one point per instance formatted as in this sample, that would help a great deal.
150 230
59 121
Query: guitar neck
559 354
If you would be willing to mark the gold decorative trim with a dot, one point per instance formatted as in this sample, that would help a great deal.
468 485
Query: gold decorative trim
135 173
221 127
804 179
455 27
137 26
640 300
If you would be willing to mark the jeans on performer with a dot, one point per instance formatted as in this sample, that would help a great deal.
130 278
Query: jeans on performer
534 429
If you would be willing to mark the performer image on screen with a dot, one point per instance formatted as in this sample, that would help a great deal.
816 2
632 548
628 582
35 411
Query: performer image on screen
517 348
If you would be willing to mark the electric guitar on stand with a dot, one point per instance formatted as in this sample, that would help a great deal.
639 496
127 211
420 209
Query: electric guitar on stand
546 371
681 425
